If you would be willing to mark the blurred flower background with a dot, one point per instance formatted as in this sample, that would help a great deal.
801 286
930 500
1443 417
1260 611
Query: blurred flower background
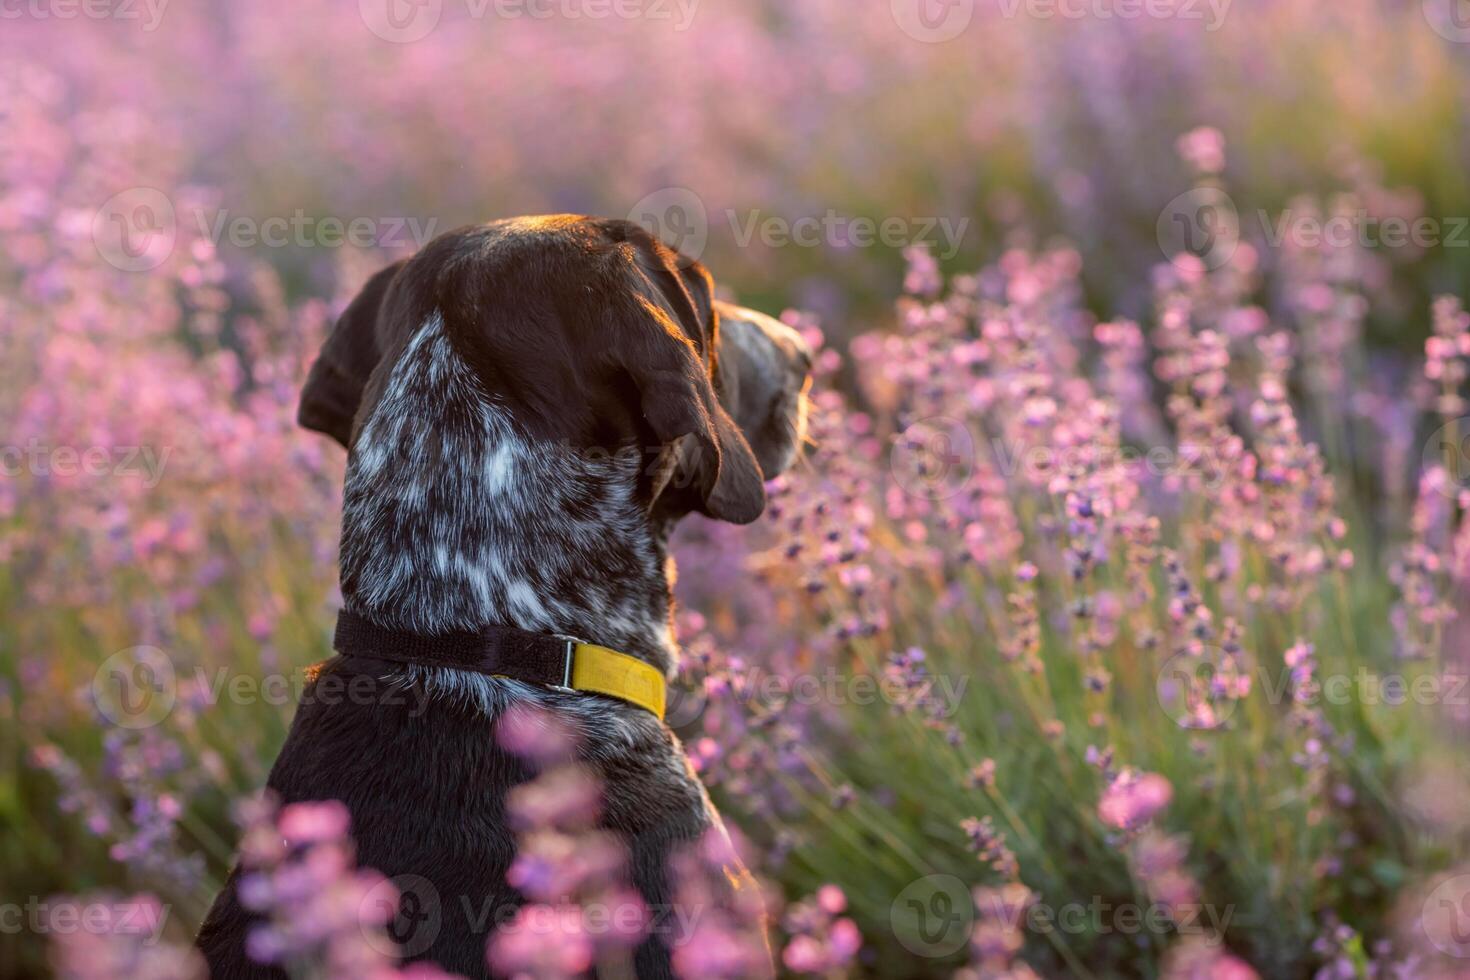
1108 627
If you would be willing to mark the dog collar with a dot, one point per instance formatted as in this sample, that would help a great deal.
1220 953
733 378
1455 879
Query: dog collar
504 651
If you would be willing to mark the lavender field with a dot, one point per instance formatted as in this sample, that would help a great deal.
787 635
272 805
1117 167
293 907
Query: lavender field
1106 627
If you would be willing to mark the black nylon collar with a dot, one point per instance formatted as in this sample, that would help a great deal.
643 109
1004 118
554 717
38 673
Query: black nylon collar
504 651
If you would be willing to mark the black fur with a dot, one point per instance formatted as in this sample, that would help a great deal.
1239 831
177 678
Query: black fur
560 336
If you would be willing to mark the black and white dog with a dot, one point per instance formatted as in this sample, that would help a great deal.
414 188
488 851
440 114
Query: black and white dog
529 406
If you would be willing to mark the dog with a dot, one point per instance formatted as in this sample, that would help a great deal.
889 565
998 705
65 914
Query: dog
529 406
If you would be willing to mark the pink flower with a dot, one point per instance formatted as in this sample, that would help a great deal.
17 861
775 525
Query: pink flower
804 955
1133 800
820 941
1203 148
831 899
566 797
308 823
544 942
123 939
1199 960
535 734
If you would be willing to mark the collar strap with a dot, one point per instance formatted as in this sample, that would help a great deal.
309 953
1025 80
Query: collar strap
504 651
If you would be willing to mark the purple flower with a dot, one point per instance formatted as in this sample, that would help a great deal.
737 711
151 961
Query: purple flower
1133 799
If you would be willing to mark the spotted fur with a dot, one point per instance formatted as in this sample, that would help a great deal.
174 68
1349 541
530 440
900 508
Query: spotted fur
441 492
517 399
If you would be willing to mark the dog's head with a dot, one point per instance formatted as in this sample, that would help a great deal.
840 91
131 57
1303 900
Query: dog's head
591 333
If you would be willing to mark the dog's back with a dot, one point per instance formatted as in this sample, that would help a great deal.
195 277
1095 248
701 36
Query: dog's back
427 792
489 389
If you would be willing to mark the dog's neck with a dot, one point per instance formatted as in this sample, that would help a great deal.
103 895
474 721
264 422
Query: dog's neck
453 518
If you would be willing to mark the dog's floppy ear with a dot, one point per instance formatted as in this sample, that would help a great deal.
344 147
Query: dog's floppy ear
334 386
676 395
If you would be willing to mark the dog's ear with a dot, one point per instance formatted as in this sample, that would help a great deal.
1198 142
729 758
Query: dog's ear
662 324
334 386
